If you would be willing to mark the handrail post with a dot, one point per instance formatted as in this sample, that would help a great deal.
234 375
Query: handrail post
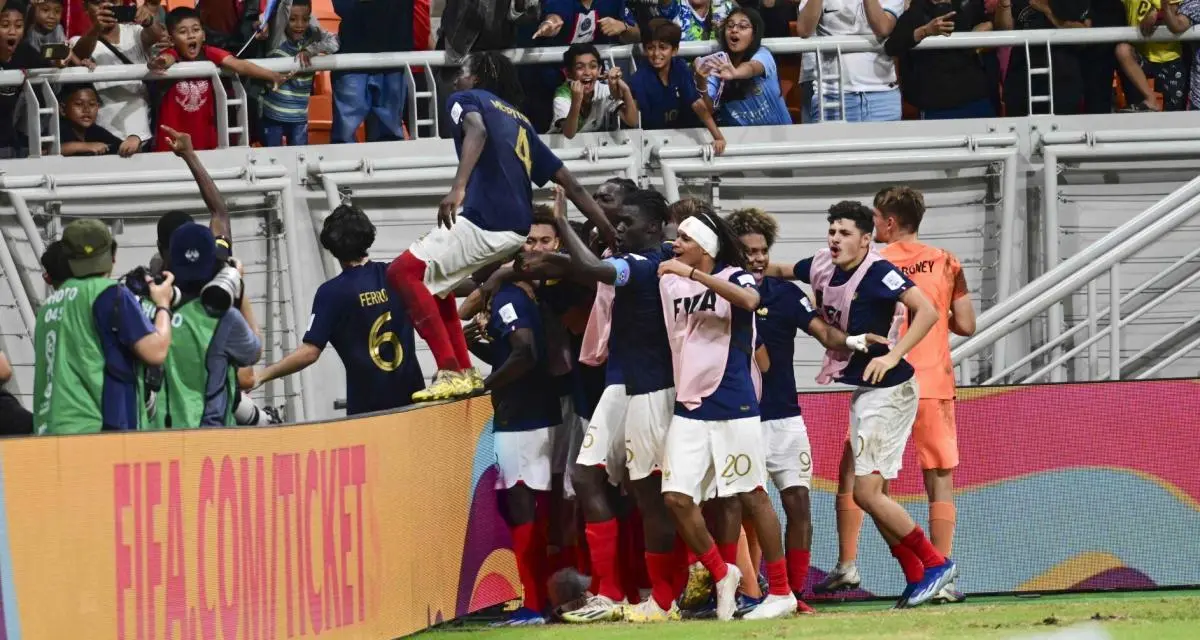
242 111
1093 328
221 105
410 83
1114 322
1050 233
33 119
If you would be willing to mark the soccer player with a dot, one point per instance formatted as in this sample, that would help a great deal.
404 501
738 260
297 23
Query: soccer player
938 274
630 420
524 419
783 309
714 445
860 292
363 318
500 154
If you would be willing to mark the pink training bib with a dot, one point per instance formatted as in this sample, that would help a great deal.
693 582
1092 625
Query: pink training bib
835 304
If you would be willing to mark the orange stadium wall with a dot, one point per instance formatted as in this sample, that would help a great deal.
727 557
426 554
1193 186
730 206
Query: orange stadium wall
381 526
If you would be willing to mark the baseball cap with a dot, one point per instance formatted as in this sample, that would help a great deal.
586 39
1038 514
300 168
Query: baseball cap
87 245
193 253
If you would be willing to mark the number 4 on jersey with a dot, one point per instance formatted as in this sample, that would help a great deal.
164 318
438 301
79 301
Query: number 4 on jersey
522 149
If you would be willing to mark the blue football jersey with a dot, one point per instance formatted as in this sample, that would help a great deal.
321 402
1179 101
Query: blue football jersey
499 192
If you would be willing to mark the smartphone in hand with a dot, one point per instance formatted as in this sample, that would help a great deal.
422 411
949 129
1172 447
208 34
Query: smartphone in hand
125 13
55 52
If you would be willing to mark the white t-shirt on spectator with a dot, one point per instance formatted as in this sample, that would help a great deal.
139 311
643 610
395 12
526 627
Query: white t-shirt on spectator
599 118
124 109
860 71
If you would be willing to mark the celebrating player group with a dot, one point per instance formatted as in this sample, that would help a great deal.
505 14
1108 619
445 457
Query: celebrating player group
643 386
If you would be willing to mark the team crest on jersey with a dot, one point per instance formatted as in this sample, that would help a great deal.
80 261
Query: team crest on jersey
762 312
192 94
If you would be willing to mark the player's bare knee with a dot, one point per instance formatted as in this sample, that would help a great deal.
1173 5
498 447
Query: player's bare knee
796 505
678 503
867 495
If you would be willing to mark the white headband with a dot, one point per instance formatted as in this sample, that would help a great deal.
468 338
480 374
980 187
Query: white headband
705 237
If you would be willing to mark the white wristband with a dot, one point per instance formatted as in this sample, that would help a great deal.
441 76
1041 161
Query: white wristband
857 343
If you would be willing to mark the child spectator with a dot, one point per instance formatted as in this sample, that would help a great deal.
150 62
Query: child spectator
587 101
285 109
700 19
188 105
45 24
78 131
1162 61
665 88
1180 18
124 106
14 54
745 89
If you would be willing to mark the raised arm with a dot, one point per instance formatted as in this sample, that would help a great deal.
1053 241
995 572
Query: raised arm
584 202
742 294
585 265
921 317
181 144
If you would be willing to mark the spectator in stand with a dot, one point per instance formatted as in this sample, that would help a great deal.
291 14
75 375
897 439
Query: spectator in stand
285 109
948 83
15 420
1179 18
78 131
700 19
665 88
371 26
124 106
582 18
44 23
189 105
92 340
589 100
229 24
1098 62
868 80
1162 61
745 88
1068 74
14 54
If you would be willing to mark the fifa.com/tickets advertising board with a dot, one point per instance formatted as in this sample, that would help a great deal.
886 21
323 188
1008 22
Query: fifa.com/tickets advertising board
381 526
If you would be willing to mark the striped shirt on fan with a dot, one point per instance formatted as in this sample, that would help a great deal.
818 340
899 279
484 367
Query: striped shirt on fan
289 102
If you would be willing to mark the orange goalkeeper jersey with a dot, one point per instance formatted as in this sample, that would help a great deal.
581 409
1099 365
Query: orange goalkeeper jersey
938 274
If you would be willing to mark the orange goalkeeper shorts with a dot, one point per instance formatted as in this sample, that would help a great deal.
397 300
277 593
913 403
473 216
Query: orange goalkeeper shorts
935 435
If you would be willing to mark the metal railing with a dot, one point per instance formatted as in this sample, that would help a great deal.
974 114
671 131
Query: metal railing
1083 271
40 81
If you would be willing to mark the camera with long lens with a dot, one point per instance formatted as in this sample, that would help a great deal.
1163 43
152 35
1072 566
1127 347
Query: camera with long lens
223 291
135 281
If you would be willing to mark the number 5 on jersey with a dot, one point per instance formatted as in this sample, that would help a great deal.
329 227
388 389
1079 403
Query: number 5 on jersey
522 150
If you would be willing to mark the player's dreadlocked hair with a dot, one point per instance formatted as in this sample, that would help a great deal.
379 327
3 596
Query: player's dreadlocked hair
732 252
495 73
626 185
754 220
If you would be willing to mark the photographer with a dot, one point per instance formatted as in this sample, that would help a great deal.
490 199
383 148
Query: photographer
213 335
92 340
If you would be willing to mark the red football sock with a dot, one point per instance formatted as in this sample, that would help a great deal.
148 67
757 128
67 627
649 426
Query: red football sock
529 546
602 542
682 565
923 548
448 310
711 559
406 277
909 563
662 570
728 551
798 561
777 578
